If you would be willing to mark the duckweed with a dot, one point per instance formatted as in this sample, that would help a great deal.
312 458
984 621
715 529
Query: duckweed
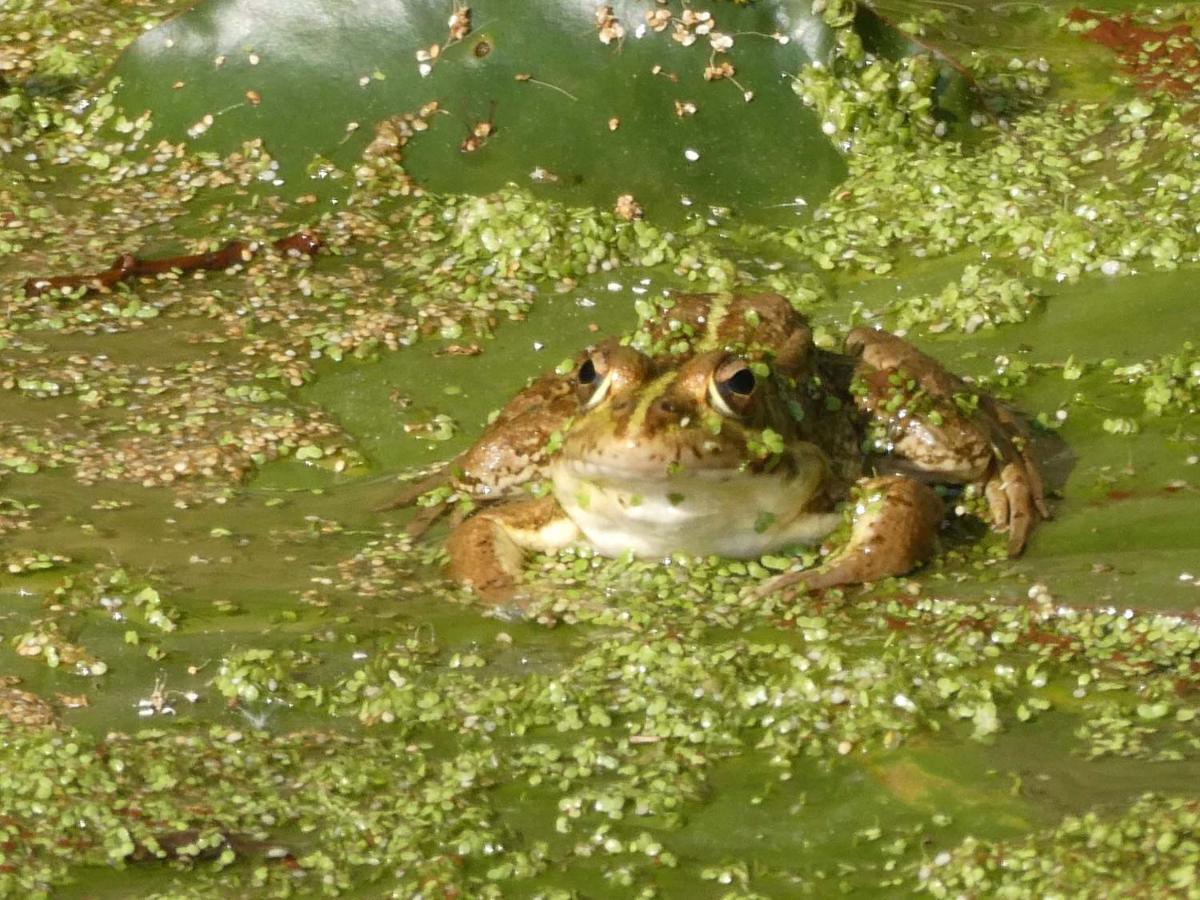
1170 385
1152 848
617 745
368 729
979 299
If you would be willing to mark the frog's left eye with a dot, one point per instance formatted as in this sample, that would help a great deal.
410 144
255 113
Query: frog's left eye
732 388
592 381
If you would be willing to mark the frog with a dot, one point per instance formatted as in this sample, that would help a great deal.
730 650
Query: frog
719 427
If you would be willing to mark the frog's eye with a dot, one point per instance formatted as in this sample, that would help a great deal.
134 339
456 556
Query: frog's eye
592 381
732 388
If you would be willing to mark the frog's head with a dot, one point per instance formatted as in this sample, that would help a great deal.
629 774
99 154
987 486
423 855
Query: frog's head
691 435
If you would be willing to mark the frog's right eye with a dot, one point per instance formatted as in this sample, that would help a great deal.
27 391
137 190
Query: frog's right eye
731 389
592 380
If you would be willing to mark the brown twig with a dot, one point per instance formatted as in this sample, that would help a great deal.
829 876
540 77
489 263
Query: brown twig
129 266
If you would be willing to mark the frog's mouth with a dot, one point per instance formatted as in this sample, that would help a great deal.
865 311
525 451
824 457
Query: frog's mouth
653 509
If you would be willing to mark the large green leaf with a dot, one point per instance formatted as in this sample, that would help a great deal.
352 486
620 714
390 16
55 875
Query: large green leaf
323 67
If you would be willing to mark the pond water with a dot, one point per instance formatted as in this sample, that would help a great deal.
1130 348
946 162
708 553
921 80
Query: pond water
226 671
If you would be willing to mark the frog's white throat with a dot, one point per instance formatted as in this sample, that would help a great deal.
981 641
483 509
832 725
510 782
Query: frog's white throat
724 512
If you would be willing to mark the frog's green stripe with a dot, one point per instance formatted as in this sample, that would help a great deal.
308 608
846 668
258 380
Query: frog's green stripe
717 312
653 391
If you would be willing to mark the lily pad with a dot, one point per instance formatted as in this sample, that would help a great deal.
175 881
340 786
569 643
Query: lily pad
571 110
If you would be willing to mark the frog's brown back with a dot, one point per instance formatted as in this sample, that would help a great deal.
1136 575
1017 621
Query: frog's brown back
757 326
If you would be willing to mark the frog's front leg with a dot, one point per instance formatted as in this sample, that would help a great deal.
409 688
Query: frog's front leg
487 550
940 429
894 530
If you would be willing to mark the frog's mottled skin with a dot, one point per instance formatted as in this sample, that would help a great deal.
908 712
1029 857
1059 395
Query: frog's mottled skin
719 428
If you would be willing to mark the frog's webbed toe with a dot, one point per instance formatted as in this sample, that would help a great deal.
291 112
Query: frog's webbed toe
1015 503
1015 496
514 608
894 530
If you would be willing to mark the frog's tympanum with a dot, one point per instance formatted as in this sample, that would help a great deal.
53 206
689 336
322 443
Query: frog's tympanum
719 428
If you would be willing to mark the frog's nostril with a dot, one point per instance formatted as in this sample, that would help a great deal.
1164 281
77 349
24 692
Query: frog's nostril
666 411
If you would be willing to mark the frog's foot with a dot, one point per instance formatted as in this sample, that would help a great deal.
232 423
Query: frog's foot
487 550
1013 489
1015 502
894 530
